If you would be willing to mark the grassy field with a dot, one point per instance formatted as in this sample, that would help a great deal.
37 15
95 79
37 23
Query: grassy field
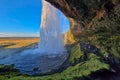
17 42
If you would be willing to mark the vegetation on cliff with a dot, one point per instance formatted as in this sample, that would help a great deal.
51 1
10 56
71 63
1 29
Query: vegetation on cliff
79 70
69 38
105 33
95 22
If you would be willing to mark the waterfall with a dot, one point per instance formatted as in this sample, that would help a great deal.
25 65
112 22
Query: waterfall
51 38
49 55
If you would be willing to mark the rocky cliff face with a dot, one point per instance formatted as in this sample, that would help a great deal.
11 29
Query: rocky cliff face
82 13
94 21
69 38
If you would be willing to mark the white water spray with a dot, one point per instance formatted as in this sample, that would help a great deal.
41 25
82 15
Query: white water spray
51 43
51 39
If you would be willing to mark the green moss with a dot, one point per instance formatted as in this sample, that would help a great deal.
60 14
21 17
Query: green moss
82 69
105 33
79 70
75 53
8 72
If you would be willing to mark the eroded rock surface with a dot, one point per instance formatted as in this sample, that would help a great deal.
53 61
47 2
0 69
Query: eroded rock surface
82 13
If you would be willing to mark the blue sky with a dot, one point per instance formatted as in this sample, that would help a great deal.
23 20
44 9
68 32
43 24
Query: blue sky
22 18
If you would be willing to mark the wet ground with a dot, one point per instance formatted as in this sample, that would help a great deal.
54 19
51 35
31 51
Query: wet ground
30 61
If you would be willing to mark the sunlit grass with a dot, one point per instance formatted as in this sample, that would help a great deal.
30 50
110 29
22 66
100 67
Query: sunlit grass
17 42
76 71
75 53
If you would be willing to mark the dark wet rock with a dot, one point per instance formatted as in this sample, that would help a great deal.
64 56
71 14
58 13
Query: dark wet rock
106 75
89 48
81 12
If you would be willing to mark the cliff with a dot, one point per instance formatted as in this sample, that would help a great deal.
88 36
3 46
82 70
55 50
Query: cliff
94 21
81 13
69 38
95 25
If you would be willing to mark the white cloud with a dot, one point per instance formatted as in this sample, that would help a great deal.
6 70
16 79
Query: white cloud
19 35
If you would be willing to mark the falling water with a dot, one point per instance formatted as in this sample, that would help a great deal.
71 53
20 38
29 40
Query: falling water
51 43
51 39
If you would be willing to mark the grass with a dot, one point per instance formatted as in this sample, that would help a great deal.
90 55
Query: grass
82 69
8 71
17 42
79 70
75 53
